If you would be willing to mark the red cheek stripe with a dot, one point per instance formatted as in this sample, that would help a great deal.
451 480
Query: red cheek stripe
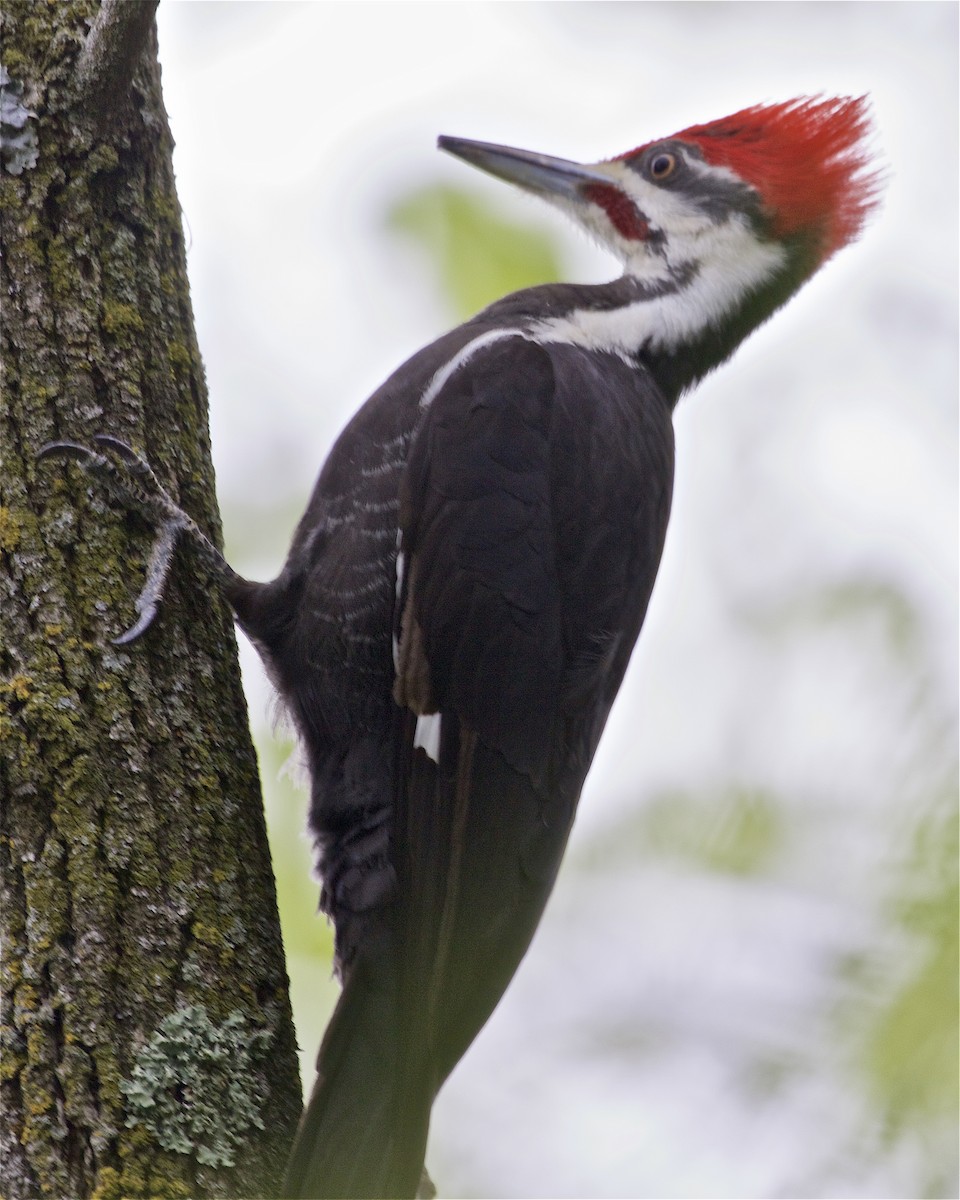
622 212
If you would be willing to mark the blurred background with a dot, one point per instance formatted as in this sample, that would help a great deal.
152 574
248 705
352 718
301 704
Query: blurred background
746 982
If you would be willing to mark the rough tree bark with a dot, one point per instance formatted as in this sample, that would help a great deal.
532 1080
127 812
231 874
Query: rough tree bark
148 1048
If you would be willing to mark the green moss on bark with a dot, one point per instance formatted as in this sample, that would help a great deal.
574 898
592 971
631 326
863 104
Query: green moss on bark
136 877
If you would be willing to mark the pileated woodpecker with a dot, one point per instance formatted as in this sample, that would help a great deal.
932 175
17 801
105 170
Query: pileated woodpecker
464 591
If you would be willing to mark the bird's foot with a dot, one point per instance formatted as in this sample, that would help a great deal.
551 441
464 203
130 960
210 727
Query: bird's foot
131 479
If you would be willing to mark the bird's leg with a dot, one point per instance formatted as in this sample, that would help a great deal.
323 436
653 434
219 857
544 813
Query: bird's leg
131 479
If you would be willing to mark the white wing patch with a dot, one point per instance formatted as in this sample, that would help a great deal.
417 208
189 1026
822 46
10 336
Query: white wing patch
427 735
401 567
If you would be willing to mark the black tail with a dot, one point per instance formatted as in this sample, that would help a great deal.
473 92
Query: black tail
364 1131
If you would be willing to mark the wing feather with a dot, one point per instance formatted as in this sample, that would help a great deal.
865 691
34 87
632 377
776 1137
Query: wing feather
532 520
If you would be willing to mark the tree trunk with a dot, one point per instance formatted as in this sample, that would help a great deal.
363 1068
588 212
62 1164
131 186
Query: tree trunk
148 1048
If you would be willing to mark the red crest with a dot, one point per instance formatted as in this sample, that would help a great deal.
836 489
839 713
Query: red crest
808 159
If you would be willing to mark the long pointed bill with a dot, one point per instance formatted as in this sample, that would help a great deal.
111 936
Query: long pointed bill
539 173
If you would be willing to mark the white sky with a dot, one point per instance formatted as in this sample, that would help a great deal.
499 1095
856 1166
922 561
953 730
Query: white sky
826 451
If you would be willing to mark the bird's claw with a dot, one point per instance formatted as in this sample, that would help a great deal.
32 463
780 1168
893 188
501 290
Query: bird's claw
127 453
66 449
130 477
127 473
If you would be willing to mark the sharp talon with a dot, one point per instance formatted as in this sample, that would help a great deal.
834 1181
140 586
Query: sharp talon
121 449
65 450
140 627
148 602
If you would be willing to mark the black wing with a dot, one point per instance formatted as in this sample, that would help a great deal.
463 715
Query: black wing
532 517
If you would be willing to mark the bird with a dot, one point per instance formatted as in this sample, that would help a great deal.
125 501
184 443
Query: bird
465 588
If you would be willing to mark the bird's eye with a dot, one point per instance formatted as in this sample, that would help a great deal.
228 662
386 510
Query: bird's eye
662 166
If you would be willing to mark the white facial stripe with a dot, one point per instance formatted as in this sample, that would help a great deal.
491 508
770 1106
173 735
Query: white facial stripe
427 735
663 208
665 211
442 376
707 170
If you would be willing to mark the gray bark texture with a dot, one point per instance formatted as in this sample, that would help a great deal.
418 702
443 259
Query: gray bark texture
148 1048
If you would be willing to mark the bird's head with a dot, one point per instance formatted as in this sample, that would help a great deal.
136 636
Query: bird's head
731 216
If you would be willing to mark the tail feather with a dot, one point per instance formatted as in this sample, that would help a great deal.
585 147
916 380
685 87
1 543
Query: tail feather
358 1137
476 849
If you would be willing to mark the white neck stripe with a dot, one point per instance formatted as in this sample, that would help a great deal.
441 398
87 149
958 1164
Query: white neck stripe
736 267
441 377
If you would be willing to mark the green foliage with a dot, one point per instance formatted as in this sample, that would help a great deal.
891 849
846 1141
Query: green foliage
305 931
479 256
737 833
191 1085
307 934
911 1049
